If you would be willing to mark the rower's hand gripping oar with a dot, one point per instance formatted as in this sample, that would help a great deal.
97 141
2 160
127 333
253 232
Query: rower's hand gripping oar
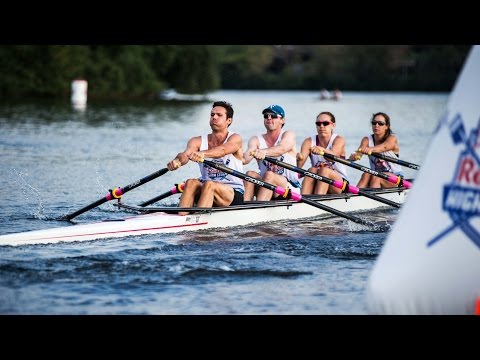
343 185
116 193
397 180
178 188
286 193
391 159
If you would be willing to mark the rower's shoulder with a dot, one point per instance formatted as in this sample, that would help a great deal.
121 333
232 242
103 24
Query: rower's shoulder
234 136
288 133
195 140
308 139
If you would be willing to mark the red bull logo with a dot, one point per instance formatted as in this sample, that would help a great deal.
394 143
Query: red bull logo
461 198
469 172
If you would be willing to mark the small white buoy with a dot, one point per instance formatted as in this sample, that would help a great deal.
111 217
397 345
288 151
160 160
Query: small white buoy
79 93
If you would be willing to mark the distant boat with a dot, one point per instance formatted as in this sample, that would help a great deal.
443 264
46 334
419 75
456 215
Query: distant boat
173 95
326 95
337 95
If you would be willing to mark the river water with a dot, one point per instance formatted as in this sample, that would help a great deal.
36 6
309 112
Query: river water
56 159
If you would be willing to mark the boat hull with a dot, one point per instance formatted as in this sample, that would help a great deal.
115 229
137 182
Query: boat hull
162 222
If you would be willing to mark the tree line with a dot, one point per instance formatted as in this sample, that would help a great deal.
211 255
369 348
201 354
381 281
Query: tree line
142 71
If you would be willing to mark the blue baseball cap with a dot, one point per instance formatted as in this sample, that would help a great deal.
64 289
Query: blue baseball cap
277 109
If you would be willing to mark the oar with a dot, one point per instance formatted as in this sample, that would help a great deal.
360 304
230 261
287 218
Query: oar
286 193
397 161
116 193
178 188
397 180
338 184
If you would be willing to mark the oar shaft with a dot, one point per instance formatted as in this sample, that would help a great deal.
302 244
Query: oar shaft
144 180
392 178
397 161
116 193
281 191
85 209
338 184
336 212
176 189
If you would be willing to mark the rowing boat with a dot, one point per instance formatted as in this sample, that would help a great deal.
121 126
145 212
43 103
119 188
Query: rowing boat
159 220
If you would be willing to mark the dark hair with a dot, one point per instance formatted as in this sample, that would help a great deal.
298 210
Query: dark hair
387 121
327 113
226 105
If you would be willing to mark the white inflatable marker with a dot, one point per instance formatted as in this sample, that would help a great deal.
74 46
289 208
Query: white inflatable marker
79 94
430 262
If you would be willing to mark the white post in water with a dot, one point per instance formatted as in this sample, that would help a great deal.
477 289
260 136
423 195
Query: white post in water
79 93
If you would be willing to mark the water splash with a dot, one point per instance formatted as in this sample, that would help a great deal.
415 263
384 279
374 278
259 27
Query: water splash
26 188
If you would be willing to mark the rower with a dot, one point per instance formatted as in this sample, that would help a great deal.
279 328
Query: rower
277 143
325 141
214 188
383 141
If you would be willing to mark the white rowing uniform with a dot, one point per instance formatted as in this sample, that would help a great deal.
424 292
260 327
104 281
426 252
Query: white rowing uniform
265 165
320 161
381 165
229 160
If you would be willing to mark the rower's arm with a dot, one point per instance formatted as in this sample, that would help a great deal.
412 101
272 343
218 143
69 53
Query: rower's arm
253 145
389 144
232 146
304 152
357 155
183 157
286 144
338 148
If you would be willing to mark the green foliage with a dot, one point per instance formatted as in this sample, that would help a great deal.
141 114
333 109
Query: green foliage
195 70
112 71
348 67
133 71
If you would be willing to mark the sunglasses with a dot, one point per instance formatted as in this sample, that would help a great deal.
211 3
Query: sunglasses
273 116
323 123
380 123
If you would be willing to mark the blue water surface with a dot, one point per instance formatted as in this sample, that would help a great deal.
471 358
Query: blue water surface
57 159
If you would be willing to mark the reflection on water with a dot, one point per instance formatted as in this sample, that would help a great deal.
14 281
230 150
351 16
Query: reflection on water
98 114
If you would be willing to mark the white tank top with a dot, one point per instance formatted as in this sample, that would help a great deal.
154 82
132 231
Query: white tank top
209 173
318 160
264 165
381 165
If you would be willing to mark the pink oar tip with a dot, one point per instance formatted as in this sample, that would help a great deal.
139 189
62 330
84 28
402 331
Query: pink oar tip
407 184
294 196
338 184
353 189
